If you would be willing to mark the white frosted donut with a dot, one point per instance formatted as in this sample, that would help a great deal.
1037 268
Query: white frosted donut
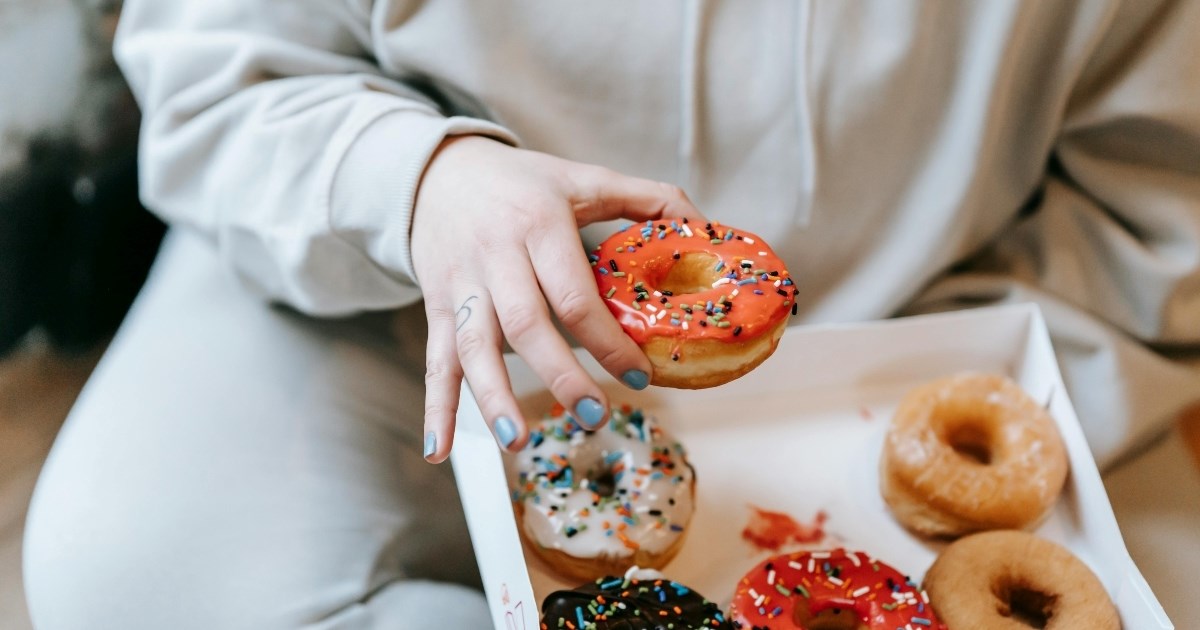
594 504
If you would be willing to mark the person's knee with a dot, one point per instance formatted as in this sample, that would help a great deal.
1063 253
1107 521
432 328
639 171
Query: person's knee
77 572
144 543
104 549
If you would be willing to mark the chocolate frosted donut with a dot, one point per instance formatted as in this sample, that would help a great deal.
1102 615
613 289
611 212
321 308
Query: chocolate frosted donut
614 603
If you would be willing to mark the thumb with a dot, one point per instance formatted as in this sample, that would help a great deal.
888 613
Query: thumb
601 194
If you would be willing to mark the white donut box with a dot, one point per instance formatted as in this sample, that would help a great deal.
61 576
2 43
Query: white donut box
802 434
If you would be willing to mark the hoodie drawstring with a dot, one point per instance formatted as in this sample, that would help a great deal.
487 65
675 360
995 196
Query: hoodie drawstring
689 89
802 109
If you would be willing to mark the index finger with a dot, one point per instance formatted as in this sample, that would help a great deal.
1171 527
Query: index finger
566 280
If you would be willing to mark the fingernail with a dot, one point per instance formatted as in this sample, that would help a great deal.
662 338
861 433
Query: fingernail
506 431
430 444
636 379
590 412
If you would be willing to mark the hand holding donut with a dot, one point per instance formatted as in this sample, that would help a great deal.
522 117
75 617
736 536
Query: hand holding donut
496 249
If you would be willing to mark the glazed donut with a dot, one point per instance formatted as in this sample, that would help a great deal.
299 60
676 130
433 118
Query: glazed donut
971 452
706 305
1004 580
598 503
625 603
830 590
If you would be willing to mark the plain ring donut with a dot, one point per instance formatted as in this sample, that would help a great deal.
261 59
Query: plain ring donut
971 452
1007 580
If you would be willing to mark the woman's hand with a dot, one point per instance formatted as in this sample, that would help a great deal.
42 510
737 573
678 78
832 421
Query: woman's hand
496 249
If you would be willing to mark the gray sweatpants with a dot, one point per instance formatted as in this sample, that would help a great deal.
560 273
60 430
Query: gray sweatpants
235 466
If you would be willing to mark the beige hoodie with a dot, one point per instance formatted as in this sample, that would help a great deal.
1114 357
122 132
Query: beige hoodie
901 155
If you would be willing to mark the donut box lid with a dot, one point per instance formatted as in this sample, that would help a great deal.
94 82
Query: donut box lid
802 434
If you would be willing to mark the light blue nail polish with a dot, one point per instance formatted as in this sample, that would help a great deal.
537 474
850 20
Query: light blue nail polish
506 431
430 444
589 412
636 379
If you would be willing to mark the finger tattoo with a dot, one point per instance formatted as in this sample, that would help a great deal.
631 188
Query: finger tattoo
463 313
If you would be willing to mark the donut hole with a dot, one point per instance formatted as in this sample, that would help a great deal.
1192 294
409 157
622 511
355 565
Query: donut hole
604 483
1029 607
693 272
971 439
833 618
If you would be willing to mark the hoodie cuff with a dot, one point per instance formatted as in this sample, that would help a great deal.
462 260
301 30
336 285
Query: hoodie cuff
375 186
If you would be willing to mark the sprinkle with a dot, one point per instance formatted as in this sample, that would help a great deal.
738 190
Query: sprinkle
618 274
611 291
860 592
922 621
749 240
746 281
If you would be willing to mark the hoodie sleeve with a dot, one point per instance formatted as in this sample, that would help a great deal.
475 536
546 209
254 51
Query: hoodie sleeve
1111 249
269 128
